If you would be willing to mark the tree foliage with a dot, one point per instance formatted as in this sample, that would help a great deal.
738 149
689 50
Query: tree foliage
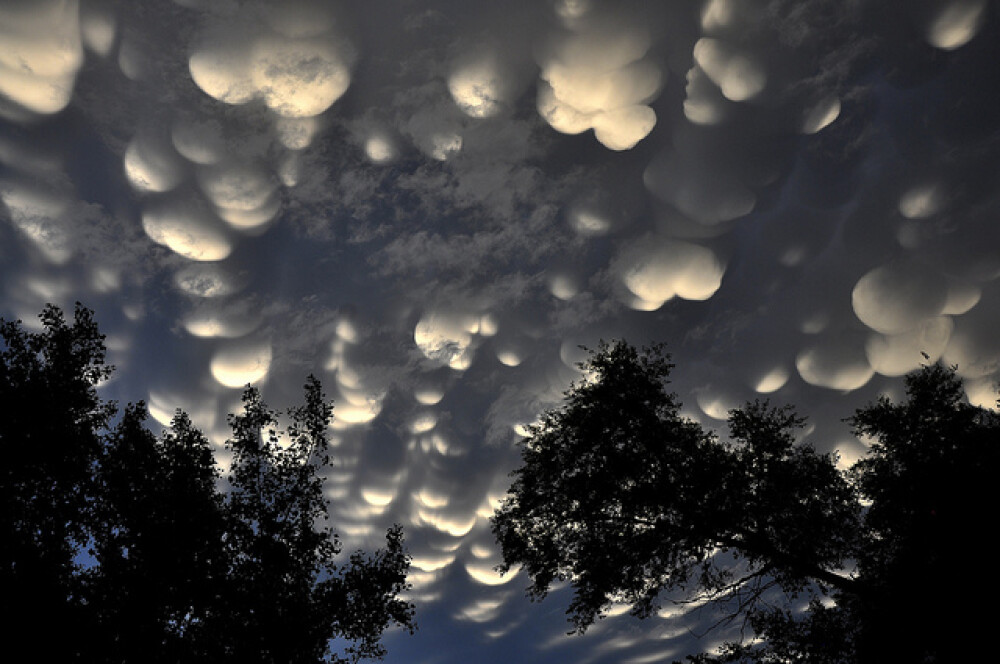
49 440
157 537
137 549
628 501
290 596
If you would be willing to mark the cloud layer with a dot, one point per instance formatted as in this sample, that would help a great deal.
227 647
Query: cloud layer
433 205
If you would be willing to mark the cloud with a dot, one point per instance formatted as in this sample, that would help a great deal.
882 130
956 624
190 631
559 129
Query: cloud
656 270
432 205
595 75
41 52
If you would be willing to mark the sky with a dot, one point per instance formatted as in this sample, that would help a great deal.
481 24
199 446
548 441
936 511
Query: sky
432 205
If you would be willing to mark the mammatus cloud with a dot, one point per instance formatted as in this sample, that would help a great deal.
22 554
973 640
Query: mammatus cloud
432 206
42 51
292 59
595 74
656 271
955 23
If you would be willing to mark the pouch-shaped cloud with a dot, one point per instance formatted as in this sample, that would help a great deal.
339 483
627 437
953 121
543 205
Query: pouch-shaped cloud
601 42
238 186
716 402
586 221
482 84
300 77
974 345
509 357
351 415
718 14
244 194
234 319
488 325
561 117
356 403
481 610
962 296
422 423
289 168
455 525
621 128
956 24
40 53
251 221
772 381
199 141
38 211
187 227
98 27
435 133
657 270
703 187
703 102
207 280
484 572
983 393
821 115
838 361
295 76
446 337
894 298
897 354
572 353
921 202
238 363
738 75
220 66
563 285
380 148
163 406
597 77
428 395
591 91
151 163
134 58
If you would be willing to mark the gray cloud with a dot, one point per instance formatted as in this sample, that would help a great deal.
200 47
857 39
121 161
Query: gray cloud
431 205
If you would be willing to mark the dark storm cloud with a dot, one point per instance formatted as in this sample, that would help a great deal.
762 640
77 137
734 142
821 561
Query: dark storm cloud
432 205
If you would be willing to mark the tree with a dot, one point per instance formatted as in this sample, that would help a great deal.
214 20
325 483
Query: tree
627 500
288 597
50 438
134 548
930 479
158 542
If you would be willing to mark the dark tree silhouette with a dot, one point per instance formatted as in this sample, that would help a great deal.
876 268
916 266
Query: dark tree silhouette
626 499
50 438
288 597
931 481
158 541
133 548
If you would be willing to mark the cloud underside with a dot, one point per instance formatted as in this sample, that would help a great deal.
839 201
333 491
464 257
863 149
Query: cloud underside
432 207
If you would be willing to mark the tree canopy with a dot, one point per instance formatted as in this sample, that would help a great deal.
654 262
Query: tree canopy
628 501
133 547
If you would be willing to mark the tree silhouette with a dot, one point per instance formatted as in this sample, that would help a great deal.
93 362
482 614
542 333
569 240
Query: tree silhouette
288 597
158 541
134 548
930 479
625 499
50 438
